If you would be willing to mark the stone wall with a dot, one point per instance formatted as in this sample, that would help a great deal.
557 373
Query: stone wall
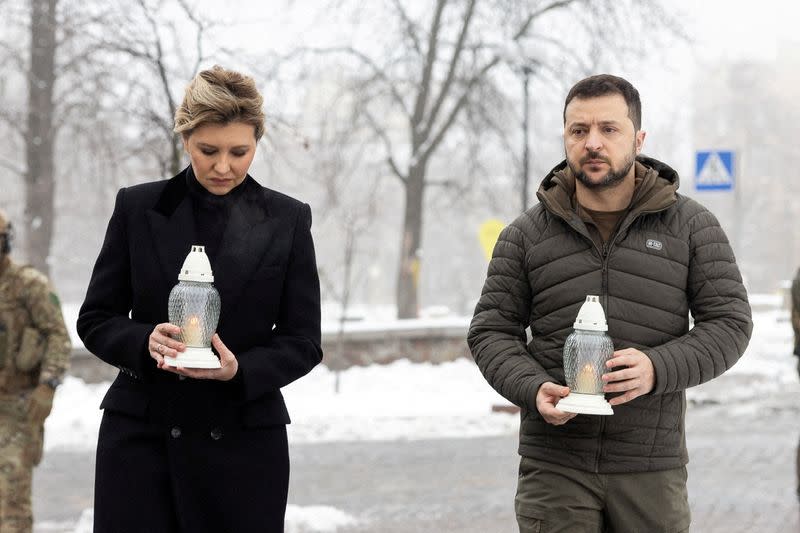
357 347
434 344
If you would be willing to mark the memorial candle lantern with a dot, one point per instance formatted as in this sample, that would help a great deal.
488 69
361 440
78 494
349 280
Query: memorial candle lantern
194 306
585 354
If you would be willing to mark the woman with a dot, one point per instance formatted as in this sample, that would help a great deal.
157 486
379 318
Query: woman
202 449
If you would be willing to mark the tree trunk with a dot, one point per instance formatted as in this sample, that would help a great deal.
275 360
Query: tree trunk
349 256
411 246
176 161
39 136
525 142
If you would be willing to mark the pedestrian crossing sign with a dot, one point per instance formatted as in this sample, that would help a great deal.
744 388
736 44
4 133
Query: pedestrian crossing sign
714 170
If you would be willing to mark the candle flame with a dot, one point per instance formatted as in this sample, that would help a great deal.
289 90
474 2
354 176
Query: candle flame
586 380
192 331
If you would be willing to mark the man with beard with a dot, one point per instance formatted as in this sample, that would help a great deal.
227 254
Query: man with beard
610 223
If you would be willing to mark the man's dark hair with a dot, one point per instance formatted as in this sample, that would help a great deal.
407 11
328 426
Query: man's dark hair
604 84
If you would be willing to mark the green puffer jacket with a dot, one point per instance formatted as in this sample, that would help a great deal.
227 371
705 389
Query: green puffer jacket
668 257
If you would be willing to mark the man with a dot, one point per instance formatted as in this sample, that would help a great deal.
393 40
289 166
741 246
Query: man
611 223
796 328
34 354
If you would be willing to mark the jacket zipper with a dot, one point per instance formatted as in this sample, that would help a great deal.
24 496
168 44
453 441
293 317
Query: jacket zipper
604 295
605 252
604 274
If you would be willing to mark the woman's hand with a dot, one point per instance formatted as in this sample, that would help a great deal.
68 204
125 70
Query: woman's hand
226 358
161 344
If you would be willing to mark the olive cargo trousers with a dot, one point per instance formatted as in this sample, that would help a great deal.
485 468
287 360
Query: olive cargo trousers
557 499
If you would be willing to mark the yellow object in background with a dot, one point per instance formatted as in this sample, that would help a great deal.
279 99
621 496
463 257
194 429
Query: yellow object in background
488 234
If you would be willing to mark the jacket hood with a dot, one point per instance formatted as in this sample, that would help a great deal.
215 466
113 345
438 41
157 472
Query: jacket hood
655 190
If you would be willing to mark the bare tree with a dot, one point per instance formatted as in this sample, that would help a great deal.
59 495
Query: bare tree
162 48
355 227
428 70
40 133
88 68
347 212
50 66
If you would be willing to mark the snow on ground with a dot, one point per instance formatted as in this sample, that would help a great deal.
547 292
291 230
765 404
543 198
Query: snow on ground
299 519
767 367
769 353
399 401
316 518
408 401
402 400
83 525
75 418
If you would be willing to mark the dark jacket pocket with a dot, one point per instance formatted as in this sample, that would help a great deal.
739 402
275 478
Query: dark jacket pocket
268 410
529 524
126 400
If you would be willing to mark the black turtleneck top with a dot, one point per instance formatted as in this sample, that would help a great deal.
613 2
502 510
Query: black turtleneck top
211 213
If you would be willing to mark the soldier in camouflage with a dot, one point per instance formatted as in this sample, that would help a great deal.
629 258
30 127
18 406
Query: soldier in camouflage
796 328
34 354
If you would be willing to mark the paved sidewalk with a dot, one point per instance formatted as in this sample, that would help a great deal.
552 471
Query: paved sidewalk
741 474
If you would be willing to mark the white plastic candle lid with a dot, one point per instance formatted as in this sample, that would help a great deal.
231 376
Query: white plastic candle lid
591 316
196 266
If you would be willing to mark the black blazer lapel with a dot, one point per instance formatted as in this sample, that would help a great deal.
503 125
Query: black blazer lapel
172 227
246 239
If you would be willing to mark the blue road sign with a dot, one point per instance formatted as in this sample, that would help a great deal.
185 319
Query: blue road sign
714 170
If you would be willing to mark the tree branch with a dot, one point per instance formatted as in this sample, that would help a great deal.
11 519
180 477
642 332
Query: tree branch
410 26
12 166
451 71
159 58
201 27
441 183
433 143
379 72
523 29
427 71
15 57
462 100
15 121
381 132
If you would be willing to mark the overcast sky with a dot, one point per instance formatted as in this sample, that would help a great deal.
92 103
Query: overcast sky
722 28
734 29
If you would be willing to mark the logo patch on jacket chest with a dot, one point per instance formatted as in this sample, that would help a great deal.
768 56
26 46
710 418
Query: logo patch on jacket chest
654 244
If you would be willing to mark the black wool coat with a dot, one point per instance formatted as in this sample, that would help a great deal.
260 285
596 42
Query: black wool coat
265 271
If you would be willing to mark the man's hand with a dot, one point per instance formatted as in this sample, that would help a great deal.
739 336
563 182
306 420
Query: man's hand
636 378
546 400
39 403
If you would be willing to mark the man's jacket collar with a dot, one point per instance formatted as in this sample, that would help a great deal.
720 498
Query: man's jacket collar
655 191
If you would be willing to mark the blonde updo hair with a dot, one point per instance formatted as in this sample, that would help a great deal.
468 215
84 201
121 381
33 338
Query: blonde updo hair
220 96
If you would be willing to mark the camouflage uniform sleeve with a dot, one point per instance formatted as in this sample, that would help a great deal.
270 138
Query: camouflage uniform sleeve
45 310
796 311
